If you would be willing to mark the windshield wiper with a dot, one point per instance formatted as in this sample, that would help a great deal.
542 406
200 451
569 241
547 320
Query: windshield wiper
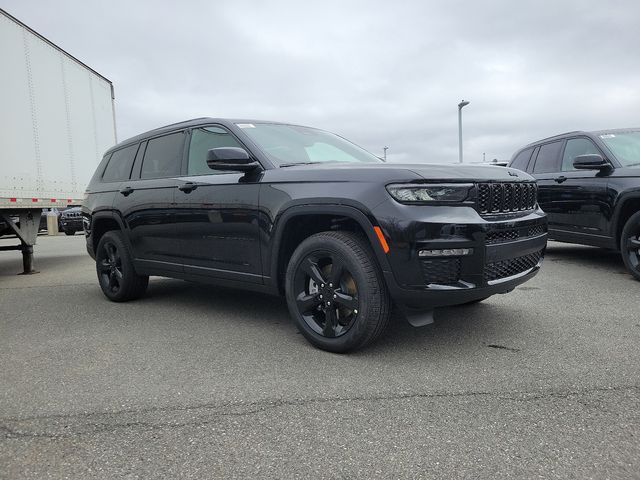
299 163
633 165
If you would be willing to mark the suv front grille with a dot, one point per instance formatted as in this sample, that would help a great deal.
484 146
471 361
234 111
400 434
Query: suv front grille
511 266
441 270
537 230
495 198
501 236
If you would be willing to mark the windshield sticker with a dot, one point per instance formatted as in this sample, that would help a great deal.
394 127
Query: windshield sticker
246 125
608 135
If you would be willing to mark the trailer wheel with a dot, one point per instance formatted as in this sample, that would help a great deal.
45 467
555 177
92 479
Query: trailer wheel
116 274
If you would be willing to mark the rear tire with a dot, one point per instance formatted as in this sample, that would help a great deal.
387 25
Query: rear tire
630 245
336 292
114 266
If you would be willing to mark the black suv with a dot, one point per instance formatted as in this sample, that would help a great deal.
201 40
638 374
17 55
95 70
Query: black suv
70 220
297 211
589 187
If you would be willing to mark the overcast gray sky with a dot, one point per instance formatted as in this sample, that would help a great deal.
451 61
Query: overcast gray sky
379 73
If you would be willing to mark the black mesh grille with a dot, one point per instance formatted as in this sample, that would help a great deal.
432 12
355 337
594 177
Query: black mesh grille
495 198
500 236
441 270
537 230
512 266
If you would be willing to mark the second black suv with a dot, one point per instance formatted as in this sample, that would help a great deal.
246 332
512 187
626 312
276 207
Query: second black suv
293 210
589 187
70 220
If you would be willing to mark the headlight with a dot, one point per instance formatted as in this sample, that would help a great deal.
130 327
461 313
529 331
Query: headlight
430 193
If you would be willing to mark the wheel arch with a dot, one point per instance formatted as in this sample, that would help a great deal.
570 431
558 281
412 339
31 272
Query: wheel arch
299 222
103 222
627 206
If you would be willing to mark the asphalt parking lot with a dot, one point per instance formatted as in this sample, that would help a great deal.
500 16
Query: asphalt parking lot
200 382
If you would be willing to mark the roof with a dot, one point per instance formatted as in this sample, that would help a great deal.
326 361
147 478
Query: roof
189 123
581 132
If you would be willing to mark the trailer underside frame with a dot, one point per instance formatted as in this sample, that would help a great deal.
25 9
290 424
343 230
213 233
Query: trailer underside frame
27 232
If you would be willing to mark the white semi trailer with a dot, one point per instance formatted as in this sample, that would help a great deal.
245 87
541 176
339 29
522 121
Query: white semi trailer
56 120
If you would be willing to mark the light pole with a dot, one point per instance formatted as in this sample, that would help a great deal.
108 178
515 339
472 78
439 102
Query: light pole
463 103
385 153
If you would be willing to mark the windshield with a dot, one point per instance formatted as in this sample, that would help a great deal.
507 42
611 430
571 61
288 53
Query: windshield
292 145
625 146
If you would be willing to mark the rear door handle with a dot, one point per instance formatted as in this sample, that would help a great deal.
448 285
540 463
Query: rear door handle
126 191
560 179
188 187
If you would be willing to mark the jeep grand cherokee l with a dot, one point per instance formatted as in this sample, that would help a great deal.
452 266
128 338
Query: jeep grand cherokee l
589 186
301 212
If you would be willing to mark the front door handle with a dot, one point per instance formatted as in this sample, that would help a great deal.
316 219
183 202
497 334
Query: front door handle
560 179
126 191
188 187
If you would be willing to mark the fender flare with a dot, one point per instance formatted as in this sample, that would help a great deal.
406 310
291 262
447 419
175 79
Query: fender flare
366 223
108 215
624 198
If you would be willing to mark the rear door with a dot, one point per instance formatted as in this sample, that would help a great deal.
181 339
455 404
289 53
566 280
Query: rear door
217 216
146 203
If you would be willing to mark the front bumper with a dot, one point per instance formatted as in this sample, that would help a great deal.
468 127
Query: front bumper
505 251
71 223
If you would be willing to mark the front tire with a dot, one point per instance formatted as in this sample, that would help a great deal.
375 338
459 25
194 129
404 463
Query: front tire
69 232
114 266
336 293
630 245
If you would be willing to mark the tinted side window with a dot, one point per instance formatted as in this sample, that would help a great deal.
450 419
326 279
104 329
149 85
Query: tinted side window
575 147
202 140
119 166
522 159
163 156
548 158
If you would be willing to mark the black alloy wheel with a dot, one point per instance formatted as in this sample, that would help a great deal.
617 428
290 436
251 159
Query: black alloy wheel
335 292
116 274
110 267
327 296
630 245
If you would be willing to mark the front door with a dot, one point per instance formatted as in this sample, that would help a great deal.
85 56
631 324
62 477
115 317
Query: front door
574 200
217 213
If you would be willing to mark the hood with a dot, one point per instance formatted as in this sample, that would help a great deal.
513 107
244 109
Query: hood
458 172
391 172
626 172
71 210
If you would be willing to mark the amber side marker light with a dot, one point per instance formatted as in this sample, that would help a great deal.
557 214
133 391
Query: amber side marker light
383 241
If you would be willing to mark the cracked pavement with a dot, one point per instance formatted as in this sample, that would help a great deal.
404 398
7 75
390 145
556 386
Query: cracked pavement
201 382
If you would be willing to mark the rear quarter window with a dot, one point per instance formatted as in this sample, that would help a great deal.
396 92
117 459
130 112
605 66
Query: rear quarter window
120 163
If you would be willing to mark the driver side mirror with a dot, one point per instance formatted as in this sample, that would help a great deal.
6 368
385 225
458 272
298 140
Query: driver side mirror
590 162
231 158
